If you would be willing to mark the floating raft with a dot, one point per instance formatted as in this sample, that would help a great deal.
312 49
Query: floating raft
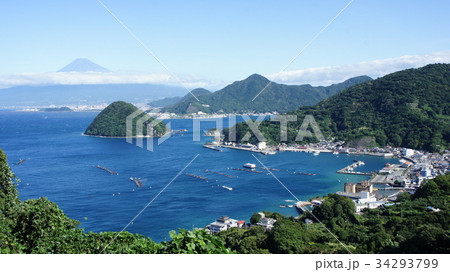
306 174
247 170
137 181
107 170
195 176
222 174
20 162
271 169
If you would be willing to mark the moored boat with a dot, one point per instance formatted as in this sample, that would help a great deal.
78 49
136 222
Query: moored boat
250 165
227 188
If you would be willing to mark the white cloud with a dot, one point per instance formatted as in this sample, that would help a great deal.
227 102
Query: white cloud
74 78
376 68
314 76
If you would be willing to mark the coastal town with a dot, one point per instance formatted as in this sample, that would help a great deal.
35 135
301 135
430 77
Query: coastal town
381 187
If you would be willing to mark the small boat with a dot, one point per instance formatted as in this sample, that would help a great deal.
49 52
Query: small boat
317 152
290 206
283 206
250 165
335 152
228 188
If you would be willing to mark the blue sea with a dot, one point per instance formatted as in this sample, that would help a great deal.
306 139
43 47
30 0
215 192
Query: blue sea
60 165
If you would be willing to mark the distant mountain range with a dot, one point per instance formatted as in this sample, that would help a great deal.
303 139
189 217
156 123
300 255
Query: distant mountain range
238 96
234 98
84 94
83 65
409 108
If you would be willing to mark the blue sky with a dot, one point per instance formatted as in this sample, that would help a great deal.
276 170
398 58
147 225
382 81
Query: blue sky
216 41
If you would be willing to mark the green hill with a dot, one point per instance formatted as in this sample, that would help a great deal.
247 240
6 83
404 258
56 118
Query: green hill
237 97
410 108
164 102
111 122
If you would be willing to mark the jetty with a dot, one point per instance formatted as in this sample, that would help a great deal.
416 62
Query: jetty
301 206
213 147
107 170
198 177
350 169
218 173
137 181
247 170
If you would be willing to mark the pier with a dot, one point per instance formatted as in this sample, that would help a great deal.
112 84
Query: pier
107 170
212 147
349 169
301 206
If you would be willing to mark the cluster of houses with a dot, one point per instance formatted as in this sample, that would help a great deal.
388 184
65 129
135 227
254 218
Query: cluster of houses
226 223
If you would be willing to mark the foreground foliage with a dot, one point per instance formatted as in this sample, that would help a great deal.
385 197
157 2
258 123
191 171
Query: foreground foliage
407 226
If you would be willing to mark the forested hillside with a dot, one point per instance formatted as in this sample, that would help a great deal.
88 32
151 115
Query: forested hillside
410 108
111 122
238 97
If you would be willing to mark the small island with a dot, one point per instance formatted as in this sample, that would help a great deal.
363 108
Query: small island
58 109
111 122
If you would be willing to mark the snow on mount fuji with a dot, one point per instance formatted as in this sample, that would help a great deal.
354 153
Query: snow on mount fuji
83 65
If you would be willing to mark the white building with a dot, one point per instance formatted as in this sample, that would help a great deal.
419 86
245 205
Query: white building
262 145
407 152
367 201
267 223
426 172
223 223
